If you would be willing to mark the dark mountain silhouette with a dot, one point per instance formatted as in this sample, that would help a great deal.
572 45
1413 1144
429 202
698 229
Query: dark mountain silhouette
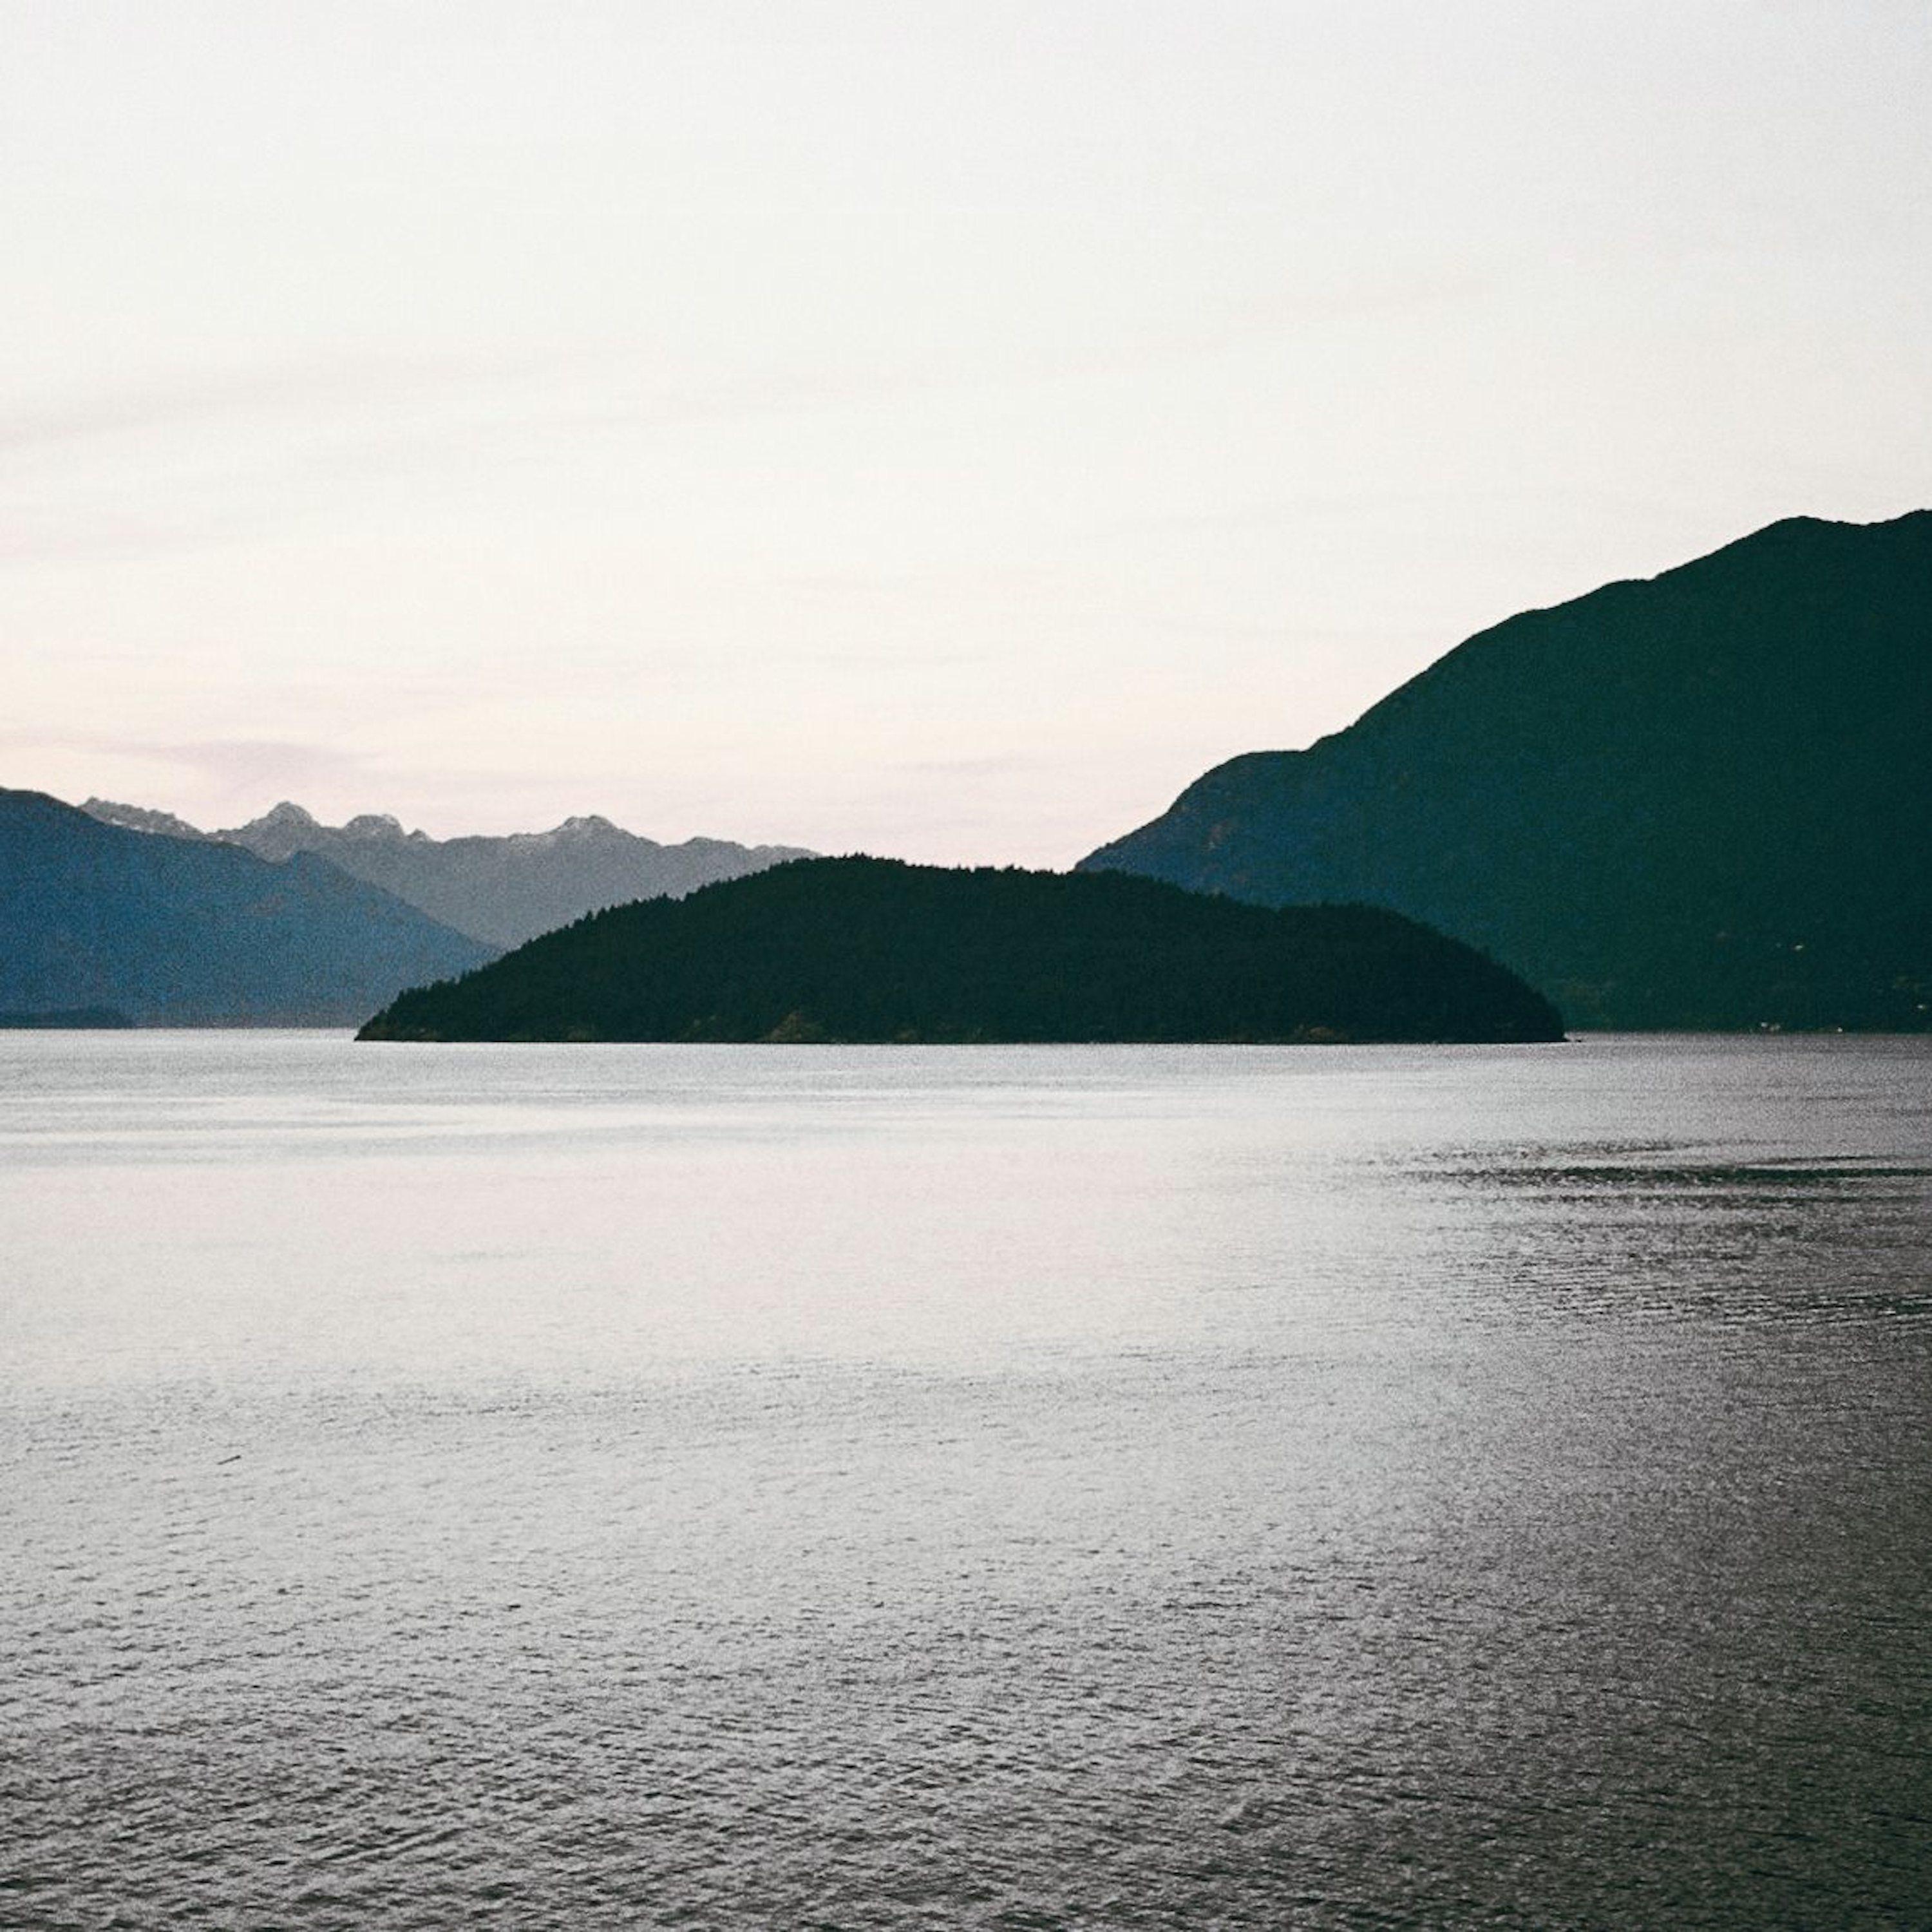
172 932
863 948
500 890
1698 801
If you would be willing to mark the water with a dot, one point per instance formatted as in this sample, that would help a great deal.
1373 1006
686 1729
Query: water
609 1486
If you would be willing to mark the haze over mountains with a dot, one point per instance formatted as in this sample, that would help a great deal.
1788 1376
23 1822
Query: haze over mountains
183 932
1701 800
501 891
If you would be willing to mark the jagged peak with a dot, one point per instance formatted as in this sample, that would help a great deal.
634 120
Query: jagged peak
140 818
587 826
281 818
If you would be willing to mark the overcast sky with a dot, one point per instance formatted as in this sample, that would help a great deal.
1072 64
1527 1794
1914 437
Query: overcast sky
936 429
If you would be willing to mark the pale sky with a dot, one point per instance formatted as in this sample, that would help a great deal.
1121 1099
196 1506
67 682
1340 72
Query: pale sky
940 430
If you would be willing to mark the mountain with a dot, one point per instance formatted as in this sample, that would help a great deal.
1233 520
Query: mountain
139 818
871 949
173 931
501 891
1702 800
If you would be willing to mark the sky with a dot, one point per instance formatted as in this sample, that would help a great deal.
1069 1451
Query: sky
931 429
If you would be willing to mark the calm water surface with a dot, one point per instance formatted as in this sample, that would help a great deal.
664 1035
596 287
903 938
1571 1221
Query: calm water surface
603 1486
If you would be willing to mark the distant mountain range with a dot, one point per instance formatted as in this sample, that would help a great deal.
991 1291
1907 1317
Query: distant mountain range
501 891
1703 800
872 950
163 931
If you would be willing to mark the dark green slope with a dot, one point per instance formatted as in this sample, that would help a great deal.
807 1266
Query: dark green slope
871 949
170 932
1702 800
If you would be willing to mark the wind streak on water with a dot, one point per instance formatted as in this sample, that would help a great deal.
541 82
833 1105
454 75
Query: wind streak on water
605 1486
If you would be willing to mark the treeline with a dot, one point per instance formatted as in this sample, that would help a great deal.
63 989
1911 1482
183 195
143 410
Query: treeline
872 950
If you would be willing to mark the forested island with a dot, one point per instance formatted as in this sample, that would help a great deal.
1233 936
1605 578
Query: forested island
863 950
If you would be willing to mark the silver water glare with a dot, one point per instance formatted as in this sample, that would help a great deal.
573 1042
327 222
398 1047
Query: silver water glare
612 1487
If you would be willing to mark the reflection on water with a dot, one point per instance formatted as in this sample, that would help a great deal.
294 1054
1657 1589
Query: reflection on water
619 1486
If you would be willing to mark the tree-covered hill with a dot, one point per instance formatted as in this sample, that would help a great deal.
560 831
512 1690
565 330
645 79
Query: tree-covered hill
1697 801
871 949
